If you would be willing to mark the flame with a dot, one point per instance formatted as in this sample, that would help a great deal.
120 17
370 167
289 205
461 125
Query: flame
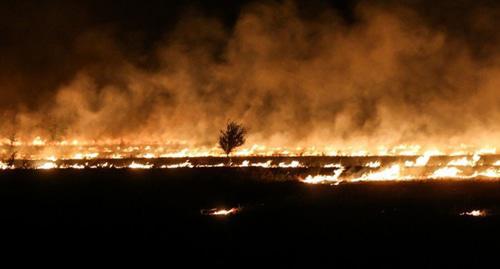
446 172
38 141
374 164
391 173
262 164
490 173
135 165
324 178
224 212
292 164
402 162
80 149
420 161
220 212
3 166
475 213
465 161
47 165
81 156
184 164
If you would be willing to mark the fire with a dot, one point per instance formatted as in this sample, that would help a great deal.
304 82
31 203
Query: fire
76 166
375 164
333 165
490 173
135 165
38 141
149 156
475 213
391 173
324 178
446 172
261 164
420 162
220 212
402 162
184 164
465 161
81 156
39 149
224 212
47 165
292 164
3 166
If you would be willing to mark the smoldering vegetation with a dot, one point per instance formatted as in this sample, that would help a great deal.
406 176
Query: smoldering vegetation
388 73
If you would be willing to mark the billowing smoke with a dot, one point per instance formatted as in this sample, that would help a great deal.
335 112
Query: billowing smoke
390 74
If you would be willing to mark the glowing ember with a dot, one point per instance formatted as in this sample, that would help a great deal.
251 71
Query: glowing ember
474 213
220 212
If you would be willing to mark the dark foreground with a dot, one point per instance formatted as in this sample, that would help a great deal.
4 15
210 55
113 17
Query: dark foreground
154 216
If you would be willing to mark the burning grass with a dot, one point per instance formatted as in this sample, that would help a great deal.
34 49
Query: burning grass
400 164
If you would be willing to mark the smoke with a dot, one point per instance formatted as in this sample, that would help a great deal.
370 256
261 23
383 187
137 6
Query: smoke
392 74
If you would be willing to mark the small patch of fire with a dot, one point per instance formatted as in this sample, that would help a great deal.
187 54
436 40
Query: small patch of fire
320 179
475 213
221 211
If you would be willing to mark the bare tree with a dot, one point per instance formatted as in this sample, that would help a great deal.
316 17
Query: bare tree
232 137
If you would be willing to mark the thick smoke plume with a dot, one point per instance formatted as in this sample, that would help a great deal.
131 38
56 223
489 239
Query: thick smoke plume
391 74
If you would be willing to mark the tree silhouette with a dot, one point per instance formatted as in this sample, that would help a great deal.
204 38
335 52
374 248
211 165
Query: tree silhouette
233 136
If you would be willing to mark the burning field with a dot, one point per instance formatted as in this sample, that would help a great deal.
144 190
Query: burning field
333 131
404 163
